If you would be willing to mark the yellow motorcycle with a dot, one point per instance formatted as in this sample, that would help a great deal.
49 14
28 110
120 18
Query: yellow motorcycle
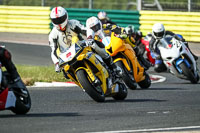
89 72
124 56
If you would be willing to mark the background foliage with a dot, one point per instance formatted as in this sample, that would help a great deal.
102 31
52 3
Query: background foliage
173 5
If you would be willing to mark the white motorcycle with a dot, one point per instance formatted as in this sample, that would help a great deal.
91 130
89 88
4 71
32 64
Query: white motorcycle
12 97
178 59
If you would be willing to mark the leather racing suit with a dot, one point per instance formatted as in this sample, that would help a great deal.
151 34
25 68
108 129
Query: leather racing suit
59 40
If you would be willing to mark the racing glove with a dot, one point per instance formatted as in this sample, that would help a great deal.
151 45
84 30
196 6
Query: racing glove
89 42
57 68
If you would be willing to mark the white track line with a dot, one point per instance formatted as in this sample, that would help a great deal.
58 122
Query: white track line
155 130
160 78
70 84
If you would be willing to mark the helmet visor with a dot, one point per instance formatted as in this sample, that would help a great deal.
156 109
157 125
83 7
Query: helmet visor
96 27
59 20
159 34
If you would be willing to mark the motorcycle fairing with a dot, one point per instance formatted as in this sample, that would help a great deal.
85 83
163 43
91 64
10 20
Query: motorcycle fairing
69 54
102 74
119 46
7 99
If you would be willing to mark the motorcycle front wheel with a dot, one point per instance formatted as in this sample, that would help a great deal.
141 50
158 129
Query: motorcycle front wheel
23 103
189 74
127 78
146 83
122 94
92 91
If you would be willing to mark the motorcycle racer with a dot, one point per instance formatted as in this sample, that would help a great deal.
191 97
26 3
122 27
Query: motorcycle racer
134 39
158 32
107 24
94 29
60 37
102 16
6 61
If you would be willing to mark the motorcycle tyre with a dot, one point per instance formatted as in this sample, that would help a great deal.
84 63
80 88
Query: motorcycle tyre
189 74
146 83
89 89
20 107
122 94
132 85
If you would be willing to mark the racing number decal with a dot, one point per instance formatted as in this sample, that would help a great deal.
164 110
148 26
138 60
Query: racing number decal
177 44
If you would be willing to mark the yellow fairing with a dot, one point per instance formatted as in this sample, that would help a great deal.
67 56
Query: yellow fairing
118 45
102 74
66 69
124 62
115 46
130 41
138 70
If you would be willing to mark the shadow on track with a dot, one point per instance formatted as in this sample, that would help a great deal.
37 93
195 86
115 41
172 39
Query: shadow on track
134 100
162 89
40 115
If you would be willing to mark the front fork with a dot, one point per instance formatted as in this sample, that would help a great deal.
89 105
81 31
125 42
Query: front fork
179 61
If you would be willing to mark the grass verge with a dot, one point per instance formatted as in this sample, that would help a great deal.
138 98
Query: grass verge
32 74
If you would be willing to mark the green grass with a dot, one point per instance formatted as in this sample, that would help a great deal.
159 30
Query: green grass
32 74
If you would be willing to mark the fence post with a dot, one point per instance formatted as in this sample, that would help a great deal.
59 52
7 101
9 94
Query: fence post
90 4
189 5
42 2
139 5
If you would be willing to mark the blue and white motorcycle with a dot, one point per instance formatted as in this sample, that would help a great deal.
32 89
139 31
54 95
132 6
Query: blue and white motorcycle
178 59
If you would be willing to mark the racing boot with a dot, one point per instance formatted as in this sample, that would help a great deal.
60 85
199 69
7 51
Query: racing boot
195 57
146 64
159 66
112 66
116 71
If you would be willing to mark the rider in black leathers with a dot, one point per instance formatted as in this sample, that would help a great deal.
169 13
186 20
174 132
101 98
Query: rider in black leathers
6 61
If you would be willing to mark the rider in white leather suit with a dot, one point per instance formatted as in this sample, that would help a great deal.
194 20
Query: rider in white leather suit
61 35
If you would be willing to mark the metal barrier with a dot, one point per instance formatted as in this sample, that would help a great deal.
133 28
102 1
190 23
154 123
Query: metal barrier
24 19
184 23
27 19
122 18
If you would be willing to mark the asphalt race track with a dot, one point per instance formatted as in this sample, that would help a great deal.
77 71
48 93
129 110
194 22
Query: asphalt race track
173 105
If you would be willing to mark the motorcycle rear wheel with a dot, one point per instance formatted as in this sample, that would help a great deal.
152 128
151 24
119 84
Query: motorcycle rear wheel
88 87
188 73
130 82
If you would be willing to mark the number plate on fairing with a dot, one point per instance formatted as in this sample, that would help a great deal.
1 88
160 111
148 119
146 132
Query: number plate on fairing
70 53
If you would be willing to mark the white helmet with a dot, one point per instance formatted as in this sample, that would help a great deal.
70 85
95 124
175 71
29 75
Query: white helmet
158 30
102 15
94 24
130 29
59 18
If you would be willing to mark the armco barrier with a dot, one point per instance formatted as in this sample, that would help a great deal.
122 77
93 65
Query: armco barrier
27 19
24 19
184 23
122 18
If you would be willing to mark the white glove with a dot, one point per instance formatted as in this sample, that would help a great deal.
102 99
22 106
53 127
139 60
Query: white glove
89 42
57 68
